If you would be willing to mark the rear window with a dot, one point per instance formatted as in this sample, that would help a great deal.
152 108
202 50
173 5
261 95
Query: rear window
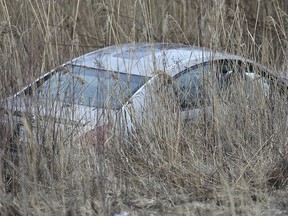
90 87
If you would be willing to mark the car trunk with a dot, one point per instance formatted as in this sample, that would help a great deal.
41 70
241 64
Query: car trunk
27 119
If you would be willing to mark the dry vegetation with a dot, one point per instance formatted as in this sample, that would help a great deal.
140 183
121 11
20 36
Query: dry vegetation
234 165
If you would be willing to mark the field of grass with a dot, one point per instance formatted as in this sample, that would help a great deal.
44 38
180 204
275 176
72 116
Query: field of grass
236 164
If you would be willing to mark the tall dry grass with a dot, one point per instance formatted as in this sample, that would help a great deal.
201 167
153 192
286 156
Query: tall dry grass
231 165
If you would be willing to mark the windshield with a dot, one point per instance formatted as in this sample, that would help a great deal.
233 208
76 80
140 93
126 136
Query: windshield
90 87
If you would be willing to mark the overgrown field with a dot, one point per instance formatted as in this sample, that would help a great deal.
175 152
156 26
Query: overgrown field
236 164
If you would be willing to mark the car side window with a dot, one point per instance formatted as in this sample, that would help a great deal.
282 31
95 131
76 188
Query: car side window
195 85
228 79
227 71
255 79
246 80
190 86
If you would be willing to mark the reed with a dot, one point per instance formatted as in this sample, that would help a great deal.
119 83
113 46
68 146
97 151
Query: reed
235 164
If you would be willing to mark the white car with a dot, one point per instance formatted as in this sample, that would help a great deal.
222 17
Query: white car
94 92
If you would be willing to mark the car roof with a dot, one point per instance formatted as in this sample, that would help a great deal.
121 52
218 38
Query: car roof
146 58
